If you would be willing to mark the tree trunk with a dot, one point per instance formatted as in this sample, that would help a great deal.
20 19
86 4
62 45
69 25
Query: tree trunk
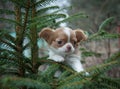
19 41
34 36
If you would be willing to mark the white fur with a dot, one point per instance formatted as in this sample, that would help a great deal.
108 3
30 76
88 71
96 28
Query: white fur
67 32
55 57
74 61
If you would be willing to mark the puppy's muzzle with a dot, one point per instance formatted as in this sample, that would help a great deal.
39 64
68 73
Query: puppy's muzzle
68 48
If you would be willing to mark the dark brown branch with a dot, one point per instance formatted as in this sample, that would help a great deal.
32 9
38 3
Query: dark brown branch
26 17
34 47
20 31
18 37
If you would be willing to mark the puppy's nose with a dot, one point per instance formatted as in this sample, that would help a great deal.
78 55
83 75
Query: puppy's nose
69 47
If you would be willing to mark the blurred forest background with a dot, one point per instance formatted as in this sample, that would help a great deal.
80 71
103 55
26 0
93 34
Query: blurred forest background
105 39
97 11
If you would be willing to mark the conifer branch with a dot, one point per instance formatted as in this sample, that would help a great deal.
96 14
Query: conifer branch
34 36
19 40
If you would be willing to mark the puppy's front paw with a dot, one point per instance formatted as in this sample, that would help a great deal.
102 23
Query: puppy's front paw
57 58
86 74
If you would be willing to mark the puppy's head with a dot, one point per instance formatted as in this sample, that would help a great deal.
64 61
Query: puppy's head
63 40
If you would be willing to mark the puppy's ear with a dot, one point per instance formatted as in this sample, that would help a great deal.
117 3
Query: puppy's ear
80 35
46 34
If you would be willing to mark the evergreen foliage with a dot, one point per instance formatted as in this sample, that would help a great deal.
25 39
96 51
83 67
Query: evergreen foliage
17 71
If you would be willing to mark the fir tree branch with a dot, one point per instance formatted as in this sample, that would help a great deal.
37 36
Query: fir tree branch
8 12
10 21
15 82
34 36
101 67
19 39
53 62
8 43
43 2
70 18
43 10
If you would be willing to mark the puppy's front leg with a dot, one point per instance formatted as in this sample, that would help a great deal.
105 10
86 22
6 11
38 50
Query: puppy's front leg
74 62
56 58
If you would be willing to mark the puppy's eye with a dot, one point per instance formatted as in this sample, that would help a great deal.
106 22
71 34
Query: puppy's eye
75 42
59 42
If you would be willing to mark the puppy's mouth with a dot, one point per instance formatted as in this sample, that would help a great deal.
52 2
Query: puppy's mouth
68 51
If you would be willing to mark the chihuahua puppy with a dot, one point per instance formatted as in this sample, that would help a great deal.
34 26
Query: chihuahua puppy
63 45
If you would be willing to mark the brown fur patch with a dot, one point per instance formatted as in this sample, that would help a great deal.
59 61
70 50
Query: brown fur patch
47 34
80 35
59 36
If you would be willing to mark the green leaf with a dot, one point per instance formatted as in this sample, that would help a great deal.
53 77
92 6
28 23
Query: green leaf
19 82
90 53
5 11
7 45
48 74
105 23
6 36
62 9
106 36
48 16
73 17
44 3
21 3
10 21
114 83
46 19
43 10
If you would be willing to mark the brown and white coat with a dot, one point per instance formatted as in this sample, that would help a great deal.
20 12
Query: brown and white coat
64 45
